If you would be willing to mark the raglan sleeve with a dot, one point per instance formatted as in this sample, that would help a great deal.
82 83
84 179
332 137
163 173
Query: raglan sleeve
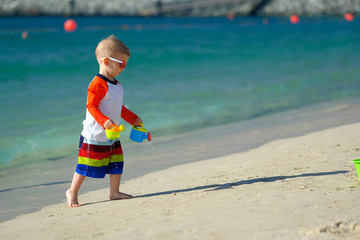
96 92
128 115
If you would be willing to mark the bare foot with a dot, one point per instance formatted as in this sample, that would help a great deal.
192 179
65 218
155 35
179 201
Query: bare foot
119 195
72 199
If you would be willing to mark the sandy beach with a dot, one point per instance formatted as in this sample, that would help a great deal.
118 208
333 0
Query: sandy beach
296 188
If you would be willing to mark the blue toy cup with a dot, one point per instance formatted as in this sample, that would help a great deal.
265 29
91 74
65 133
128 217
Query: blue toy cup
139 134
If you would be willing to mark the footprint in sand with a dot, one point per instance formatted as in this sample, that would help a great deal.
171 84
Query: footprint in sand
341 228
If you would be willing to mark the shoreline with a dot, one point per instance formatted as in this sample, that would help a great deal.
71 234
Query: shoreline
44 183
292 188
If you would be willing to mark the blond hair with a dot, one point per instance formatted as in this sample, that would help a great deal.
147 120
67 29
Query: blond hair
111 46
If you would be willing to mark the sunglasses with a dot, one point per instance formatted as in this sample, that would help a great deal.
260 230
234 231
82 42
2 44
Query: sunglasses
122 64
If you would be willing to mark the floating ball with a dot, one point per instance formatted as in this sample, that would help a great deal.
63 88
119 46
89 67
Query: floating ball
24 34
125 27
265 21
349 17
230 17
294 19
70 25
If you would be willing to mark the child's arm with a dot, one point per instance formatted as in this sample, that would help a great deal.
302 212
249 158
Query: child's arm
96 92
130 117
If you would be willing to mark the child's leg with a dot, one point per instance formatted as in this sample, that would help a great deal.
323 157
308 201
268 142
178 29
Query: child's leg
73 191
115 194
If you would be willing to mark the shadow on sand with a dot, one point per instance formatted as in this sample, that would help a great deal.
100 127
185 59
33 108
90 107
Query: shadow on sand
216 187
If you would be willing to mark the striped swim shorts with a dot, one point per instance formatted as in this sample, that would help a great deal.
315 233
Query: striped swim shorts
97 159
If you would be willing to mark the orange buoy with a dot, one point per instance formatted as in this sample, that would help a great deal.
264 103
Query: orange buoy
70 25
294 19
24 34
349 17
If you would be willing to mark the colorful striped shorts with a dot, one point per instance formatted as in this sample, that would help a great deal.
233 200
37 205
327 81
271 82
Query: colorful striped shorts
95 159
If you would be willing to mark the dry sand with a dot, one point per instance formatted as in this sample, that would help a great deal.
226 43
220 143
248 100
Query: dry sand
298 188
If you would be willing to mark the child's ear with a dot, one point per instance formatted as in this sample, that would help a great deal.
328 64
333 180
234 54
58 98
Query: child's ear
106 61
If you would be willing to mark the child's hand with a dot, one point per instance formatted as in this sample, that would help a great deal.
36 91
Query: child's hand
138 122
109 124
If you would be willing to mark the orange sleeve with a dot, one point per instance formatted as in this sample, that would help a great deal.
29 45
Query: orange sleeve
97 90
128 115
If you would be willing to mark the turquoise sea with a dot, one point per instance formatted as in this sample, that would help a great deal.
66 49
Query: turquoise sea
183 74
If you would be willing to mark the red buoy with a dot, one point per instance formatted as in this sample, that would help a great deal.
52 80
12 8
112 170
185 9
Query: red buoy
230 17
349 17
70 25
294 19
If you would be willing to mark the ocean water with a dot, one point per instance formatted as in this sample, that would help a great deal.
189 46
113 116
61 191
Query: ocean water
183 74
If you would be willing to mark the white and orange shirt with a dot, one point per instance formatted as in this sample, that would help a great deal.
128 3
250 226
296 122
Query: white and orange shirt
105 101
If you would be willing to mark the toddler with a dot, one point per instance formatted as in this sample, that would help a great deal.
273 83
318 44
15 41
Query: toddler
97 154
